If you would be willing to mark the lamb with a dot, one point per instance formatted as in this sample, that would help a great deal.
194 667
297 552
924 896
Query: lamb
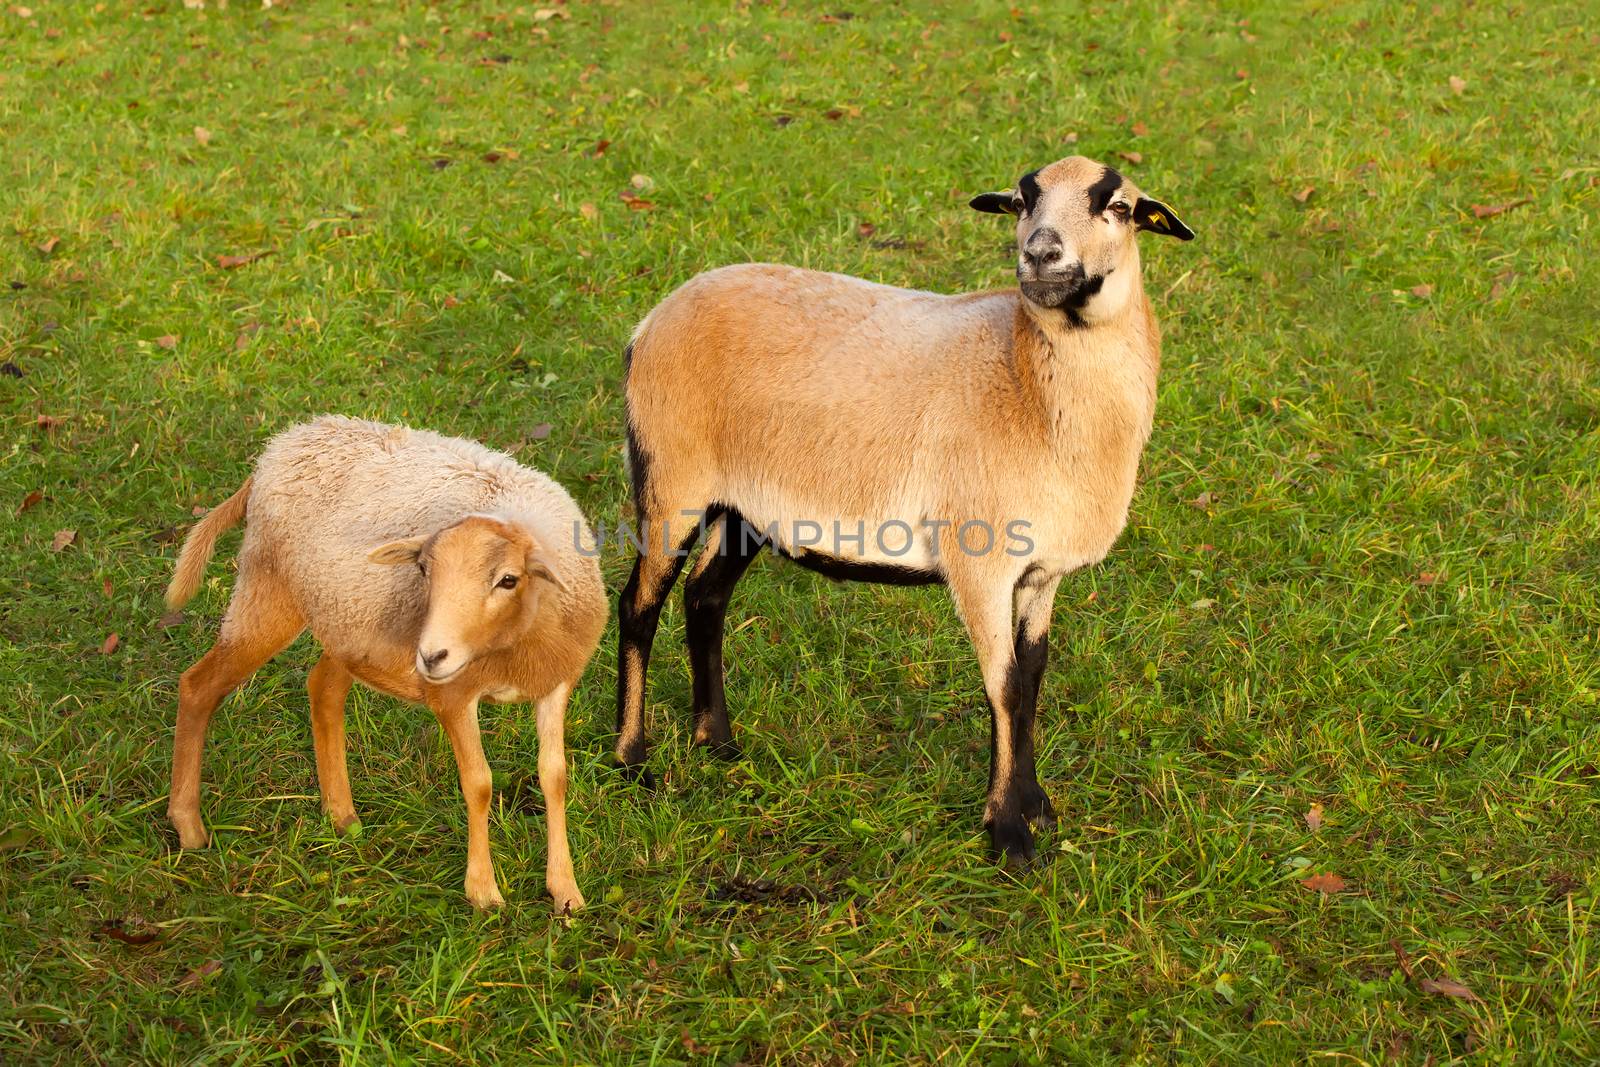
766 404
427 567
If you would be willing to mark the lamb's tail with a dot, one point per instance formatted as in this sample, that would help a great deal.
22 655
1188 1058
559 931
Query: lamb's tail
201 543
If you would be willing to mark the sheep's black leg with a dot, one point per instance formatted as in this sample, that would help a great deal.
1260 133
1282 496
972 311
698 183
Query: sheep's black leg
723 561
985 602
638 611
1035 597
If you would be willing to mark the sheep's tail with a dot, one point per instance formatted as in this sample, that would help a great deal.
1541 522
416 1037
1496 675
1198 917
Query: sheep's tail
201 543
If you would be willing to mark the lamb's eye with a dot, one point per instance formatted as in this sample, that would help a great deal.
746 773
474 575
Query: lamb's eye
508 582
1119 209
1018 205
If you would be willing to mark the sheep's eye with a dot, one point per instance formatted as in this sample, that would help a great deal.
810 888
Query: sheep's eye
1018 205
508 582
1119 209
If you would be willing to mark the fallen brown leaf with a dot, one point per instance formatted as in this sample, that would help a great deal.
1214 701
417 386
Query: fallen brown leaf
109 645
1305 194
199 974
1445 987
1458 85
600 147
30 500
1325 882
1203 501
62 539
167 341
232 262
1132 157
1402 958
539 432
588 211
48 245
636 202
106 588
1423 291
1489 211
866 229
1140 129
1426 578
493 157
202 135
49 422
1314 818
128 931
169 620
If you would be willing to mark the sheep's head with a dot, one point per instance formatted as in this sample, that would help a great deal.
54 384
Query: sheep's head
485 578
1076 221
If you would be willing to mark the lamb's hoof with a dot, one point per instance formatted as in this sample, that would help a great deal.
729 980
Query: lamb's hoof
346 825
485 898
1012 842
568 901
191 832
639 775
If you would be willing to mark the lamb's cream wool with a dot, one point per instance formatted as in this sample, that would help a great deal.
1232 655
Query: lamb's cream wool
778 397
343 516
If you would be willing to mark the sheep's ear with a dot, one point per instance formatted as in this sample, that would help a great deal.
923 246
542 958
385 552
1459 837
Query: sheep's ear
405 550
995 203
539 566
1157 217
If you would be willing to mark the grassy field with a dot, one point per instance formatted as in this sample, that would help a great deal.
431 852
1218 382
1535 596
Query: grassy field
1351 630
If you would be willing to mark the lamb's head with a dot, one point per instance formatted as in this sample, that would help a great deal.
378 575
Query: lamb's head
1076 221
485 578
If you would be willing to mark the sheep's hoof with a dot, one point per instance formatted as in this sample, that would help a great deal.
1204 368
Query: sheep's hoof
350 827
1038 810
638 774
722 750
1012 842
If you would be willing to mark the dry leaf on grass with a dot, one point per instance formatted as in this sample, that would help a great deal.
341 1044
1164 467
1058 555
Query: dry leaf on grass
49 422
1489 211
199 974
30 500
202 135
1326 882
1457 85
109 645
48 245
167 341
1314 818
1424 579
232 262
1422 291
1132 157
1305 194
62 539
588 211
169 620
1203 501
1445 987
539 432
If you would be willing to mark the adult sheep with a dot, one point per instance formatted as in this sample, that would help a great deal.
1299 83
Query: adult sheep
784 405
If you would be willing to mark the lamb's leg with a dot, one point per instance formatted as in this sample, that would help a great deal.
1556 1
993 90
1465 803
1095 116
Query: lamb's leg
1034 598
459 717
329 685
985 603
558 876
706 592
260 623
666 544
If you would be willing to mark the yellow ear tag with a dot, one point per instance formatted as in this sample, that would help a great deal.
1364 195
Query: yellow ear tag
1159 219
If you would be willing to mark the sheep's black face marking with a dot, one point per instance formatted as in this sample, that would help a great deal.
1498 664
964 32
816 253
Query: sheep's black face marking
1101 192
1028 189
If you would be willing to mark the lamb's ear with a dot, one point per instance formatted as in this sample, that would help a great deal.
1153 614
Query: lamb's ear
405 550
1157 217
995 203
540 566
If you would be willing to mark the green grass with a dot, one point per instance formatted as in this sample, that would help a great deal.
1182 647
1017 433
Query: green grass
1230 665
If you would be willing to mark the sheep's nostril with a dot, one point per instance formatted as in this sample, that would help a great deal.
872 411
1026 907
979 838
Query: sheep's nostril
431 660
